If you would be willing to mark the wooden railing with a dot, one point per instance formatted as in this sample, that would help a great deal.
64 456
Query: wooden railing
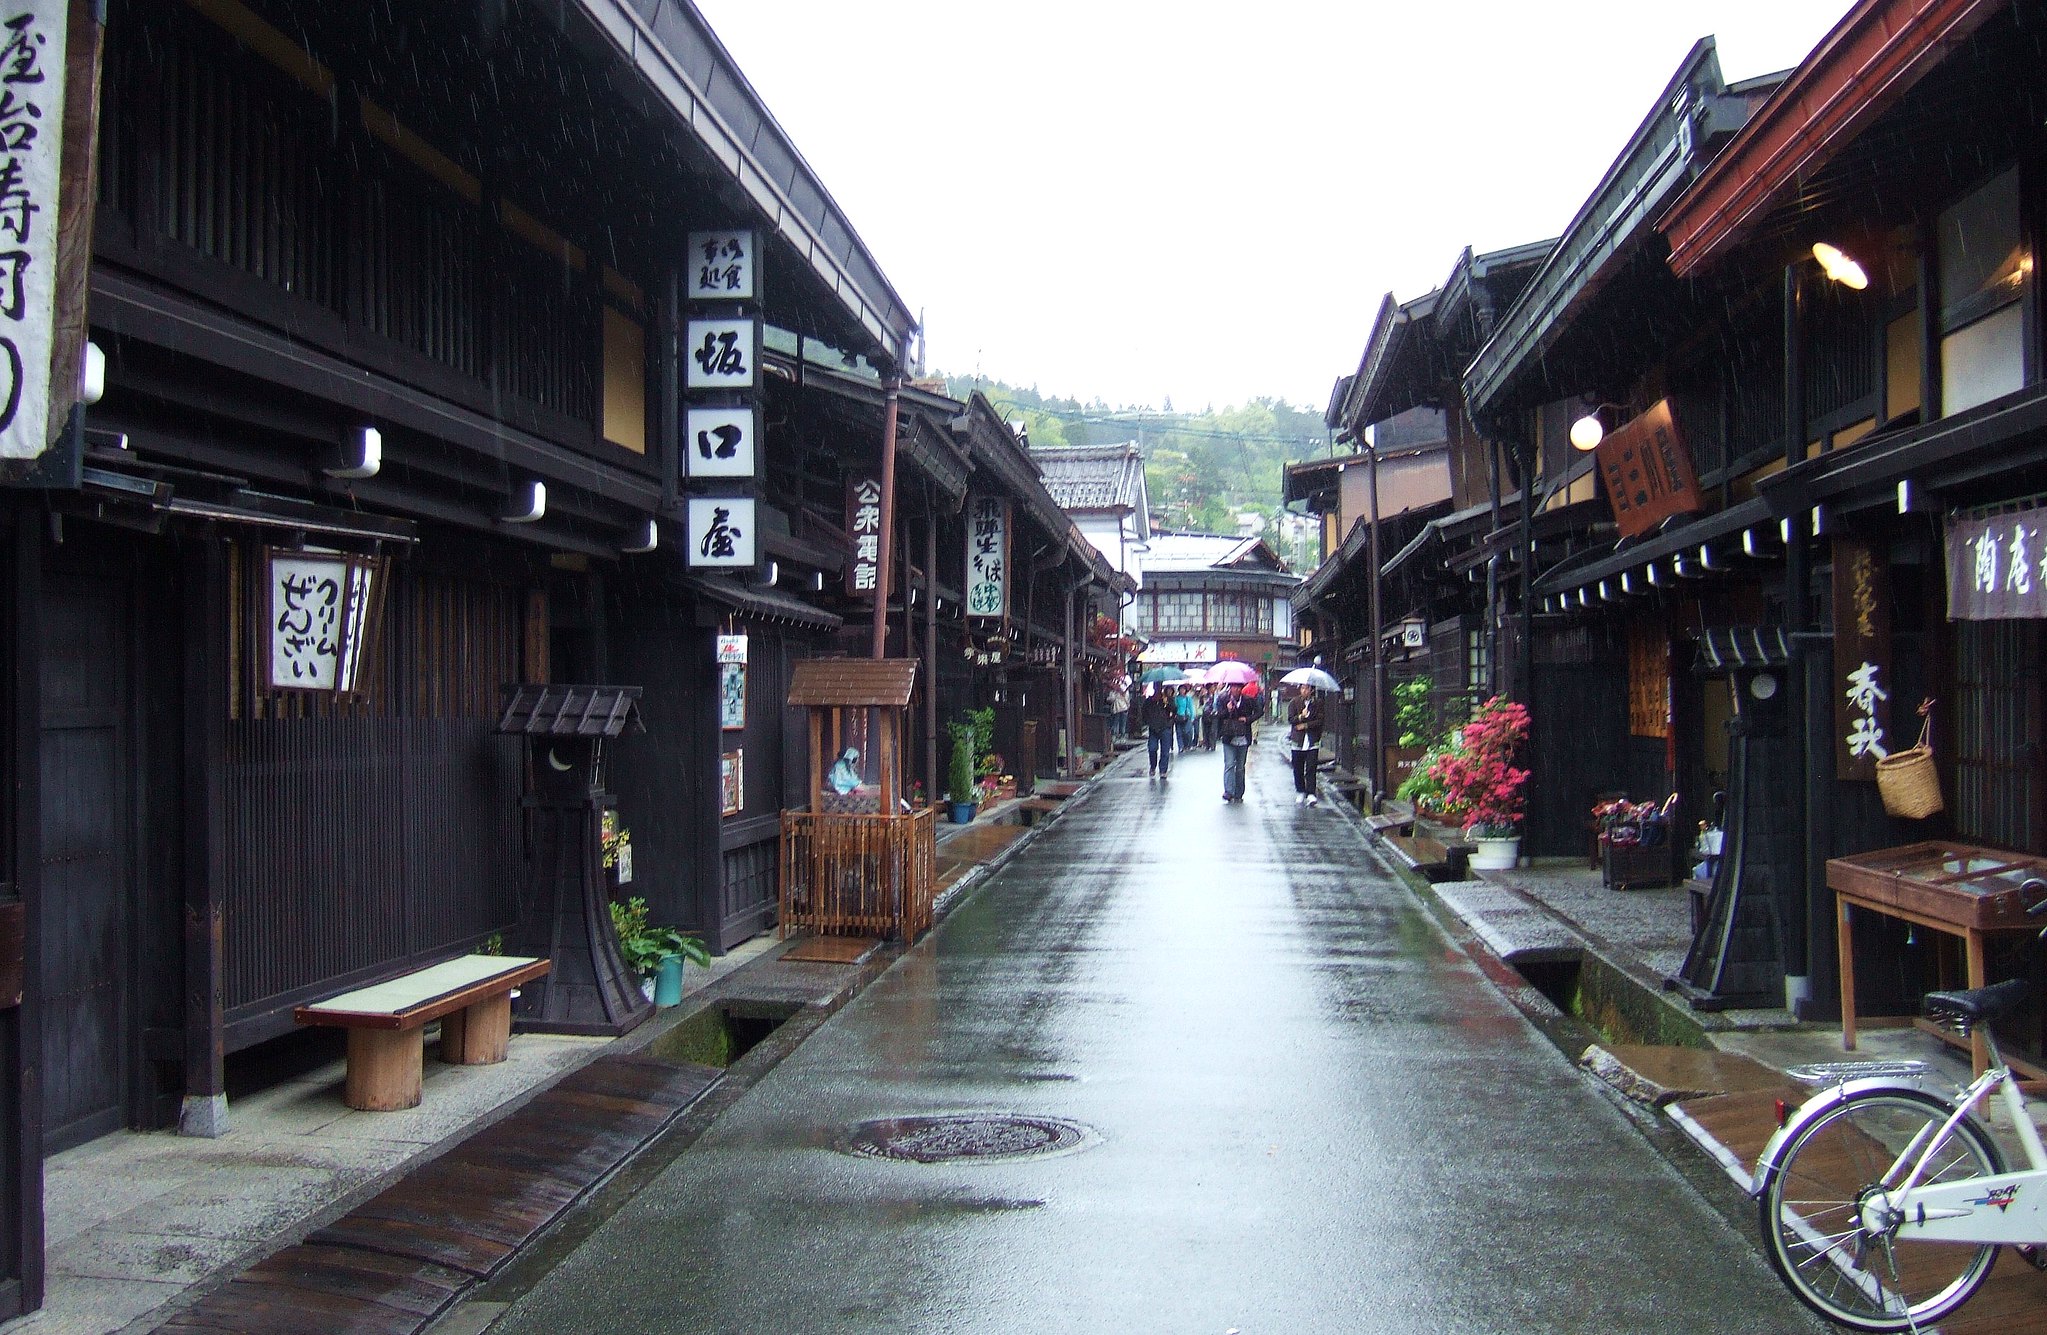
858 875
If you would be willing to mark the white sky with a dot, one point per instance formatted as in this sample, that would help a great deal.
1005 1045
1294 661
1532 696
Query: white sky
1139 200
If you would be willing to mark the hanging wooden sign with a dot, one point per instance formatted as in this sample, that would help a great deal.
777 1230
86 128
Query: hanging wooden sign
322 611
1862 660
1647 471
863 530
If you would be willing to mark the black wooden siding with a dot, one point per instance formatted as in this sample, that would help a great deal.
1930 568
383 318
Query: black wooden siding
361 842
1996 723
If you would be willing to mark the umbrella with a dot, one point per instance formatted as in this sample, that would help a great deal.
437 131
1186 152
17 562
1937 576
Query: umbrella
1310 676
1153 676
1230 670
1196 676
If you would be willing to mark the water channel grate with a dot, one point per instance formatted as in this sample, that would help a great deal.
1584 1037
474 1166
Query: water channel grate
973 1137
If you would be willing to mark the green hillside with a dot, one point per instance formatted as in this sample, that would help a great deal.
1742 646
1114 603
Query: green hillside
1203 468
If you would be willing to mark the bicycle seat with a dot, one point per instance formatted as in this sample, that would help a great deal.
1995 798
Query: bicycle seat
1978 1004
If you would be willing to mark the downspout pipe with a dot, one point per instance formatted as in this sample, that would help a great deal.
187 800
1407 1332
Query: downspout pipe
1378 706
1812 918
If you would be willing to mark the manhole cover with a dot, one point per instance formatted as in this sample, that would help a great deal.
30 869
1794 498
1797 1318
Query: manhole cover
978 1136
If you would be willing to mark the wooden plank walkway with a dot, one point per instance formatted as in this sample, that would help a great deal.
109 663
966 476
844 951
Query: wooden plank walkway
395 1263
1734 1127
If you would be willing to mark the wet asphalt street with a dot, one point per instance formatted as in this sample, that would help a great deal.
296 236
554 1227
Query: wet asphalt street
1308 1112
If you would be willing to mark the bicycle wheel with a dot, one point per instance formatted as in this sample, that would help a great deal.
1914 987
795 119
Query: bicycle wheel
1811 1216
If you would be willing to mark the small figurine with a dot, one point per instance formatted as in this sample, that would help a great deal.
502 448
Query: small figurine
844 777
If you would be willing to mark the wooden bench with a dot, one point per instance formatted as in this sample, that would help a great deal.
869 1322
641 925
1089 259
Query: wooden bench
386 1022
1435 860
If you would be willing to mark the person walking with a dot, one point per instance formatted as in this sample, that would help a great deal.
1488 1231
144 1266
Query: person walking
1241 708
1304 724
1119 707
1187 713
1160 724
1211 702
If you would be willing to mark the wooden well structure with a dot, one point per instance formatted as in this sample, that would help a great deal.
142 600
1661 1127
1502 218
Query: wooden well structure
857 863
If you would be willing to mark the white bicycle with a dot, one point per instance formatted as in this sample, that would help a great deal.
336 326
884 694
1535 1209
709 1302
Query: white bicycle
1883 1205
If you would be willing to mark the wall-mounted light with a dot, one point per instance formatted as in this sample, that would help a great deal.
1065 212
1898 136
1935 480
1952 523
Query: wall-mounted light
1749 545
1605 594
1706 557
1819 520
1627 581
528 503
644 539
92 374
1583 599
1589 430
1784 531
360 455
770 573
817 581
1650 571
1908 496
1839 266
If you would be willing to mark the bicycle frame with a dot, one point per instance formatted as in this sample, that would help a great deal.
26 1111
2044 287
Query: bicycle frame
2007 1208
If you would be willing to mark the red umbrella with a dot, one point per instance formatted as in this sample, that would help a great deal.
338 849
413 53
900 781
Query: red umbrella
1232 671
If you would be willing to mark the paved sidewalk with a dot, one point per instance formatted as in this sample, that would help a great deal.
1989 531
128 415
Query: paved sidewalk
136 1221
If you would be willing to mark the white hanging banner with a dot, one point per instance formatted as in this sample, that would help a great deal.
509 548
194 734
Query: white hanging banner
31 152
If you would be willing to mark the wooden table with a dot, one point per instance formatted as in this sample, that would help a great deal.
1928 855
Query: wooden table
1963 890
470 996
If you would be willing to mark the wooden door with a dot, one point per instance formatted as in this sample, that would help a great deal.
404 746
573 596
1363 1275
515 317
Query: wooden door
85 892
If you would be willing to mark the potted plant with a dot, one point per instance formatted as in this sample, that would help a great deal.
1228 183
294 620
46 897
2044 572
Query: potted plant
1413 721
995 786
1482 789
960 786
654 954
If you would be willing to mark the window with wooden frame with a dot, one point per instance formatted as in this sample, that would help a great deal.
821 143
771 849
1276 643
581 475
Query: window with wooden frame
1983 266
625 363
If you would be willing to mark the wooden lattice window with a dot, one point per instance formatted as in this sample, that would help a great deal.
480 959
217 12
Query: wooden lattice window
1648 682
1995 720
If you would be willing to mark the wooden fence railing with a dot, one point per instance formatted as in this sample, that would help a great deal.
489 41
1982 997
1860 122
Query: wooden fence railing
858 875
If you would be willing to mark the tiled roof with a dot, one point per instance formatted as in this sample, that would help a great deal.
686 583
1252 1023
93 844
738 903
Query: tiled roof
1092 477
1195 551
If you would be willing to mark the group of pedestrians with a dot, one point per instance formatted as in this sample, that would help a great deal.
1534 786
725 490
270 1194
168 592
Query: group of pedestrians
1178 719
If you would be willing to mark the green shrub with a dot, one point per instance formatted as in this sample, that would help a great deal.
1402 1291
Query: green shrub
960 784
643 947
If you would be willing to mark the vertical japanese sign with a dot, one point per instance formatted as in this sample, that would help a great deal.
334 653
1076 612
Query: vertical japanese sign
987 557
1862 660
1647 471
721 354
721 532
863 533
719 442
731 682
31 149
1997 567
721 266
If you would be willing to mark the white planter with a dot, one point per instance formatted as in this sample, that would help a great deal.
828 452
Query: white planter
1496 854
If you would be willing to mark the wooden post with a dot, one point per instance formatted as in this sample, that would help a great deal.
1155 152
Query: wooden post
205 1107
879 649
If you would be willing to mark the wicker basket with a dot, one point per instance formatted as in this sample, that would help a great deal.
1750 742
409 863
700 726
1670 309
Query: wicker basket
1908 781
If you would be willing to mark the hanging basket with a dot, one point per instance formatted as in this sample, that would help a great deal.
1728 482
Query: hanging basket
1909 782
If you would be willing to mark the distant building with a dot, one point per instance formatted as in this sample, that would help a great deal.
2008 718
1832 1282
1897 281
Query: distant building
1209 596
1102 487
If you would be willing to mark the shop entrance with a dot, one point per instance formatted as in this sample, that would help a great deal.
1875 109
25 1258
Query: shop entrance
83 907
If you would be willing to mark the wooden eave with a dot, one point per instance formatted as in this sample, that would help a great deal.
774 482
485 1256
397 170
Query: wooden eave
1870 59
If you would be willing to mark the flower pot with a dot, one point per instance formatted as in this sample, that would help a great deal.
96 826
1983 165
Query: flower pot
1496 854
668 981
963 813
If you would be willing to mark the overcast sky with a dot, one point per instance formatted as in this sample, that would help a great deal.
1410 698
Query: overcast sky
1136 201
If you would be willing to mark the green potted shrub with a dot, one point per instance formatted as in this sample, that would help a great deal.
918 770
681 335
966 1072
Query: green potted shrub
654 954
962 788
1413 721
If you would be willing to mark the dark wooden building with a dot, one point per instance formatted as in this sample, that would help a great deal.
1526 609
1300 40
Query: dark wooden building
398 285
